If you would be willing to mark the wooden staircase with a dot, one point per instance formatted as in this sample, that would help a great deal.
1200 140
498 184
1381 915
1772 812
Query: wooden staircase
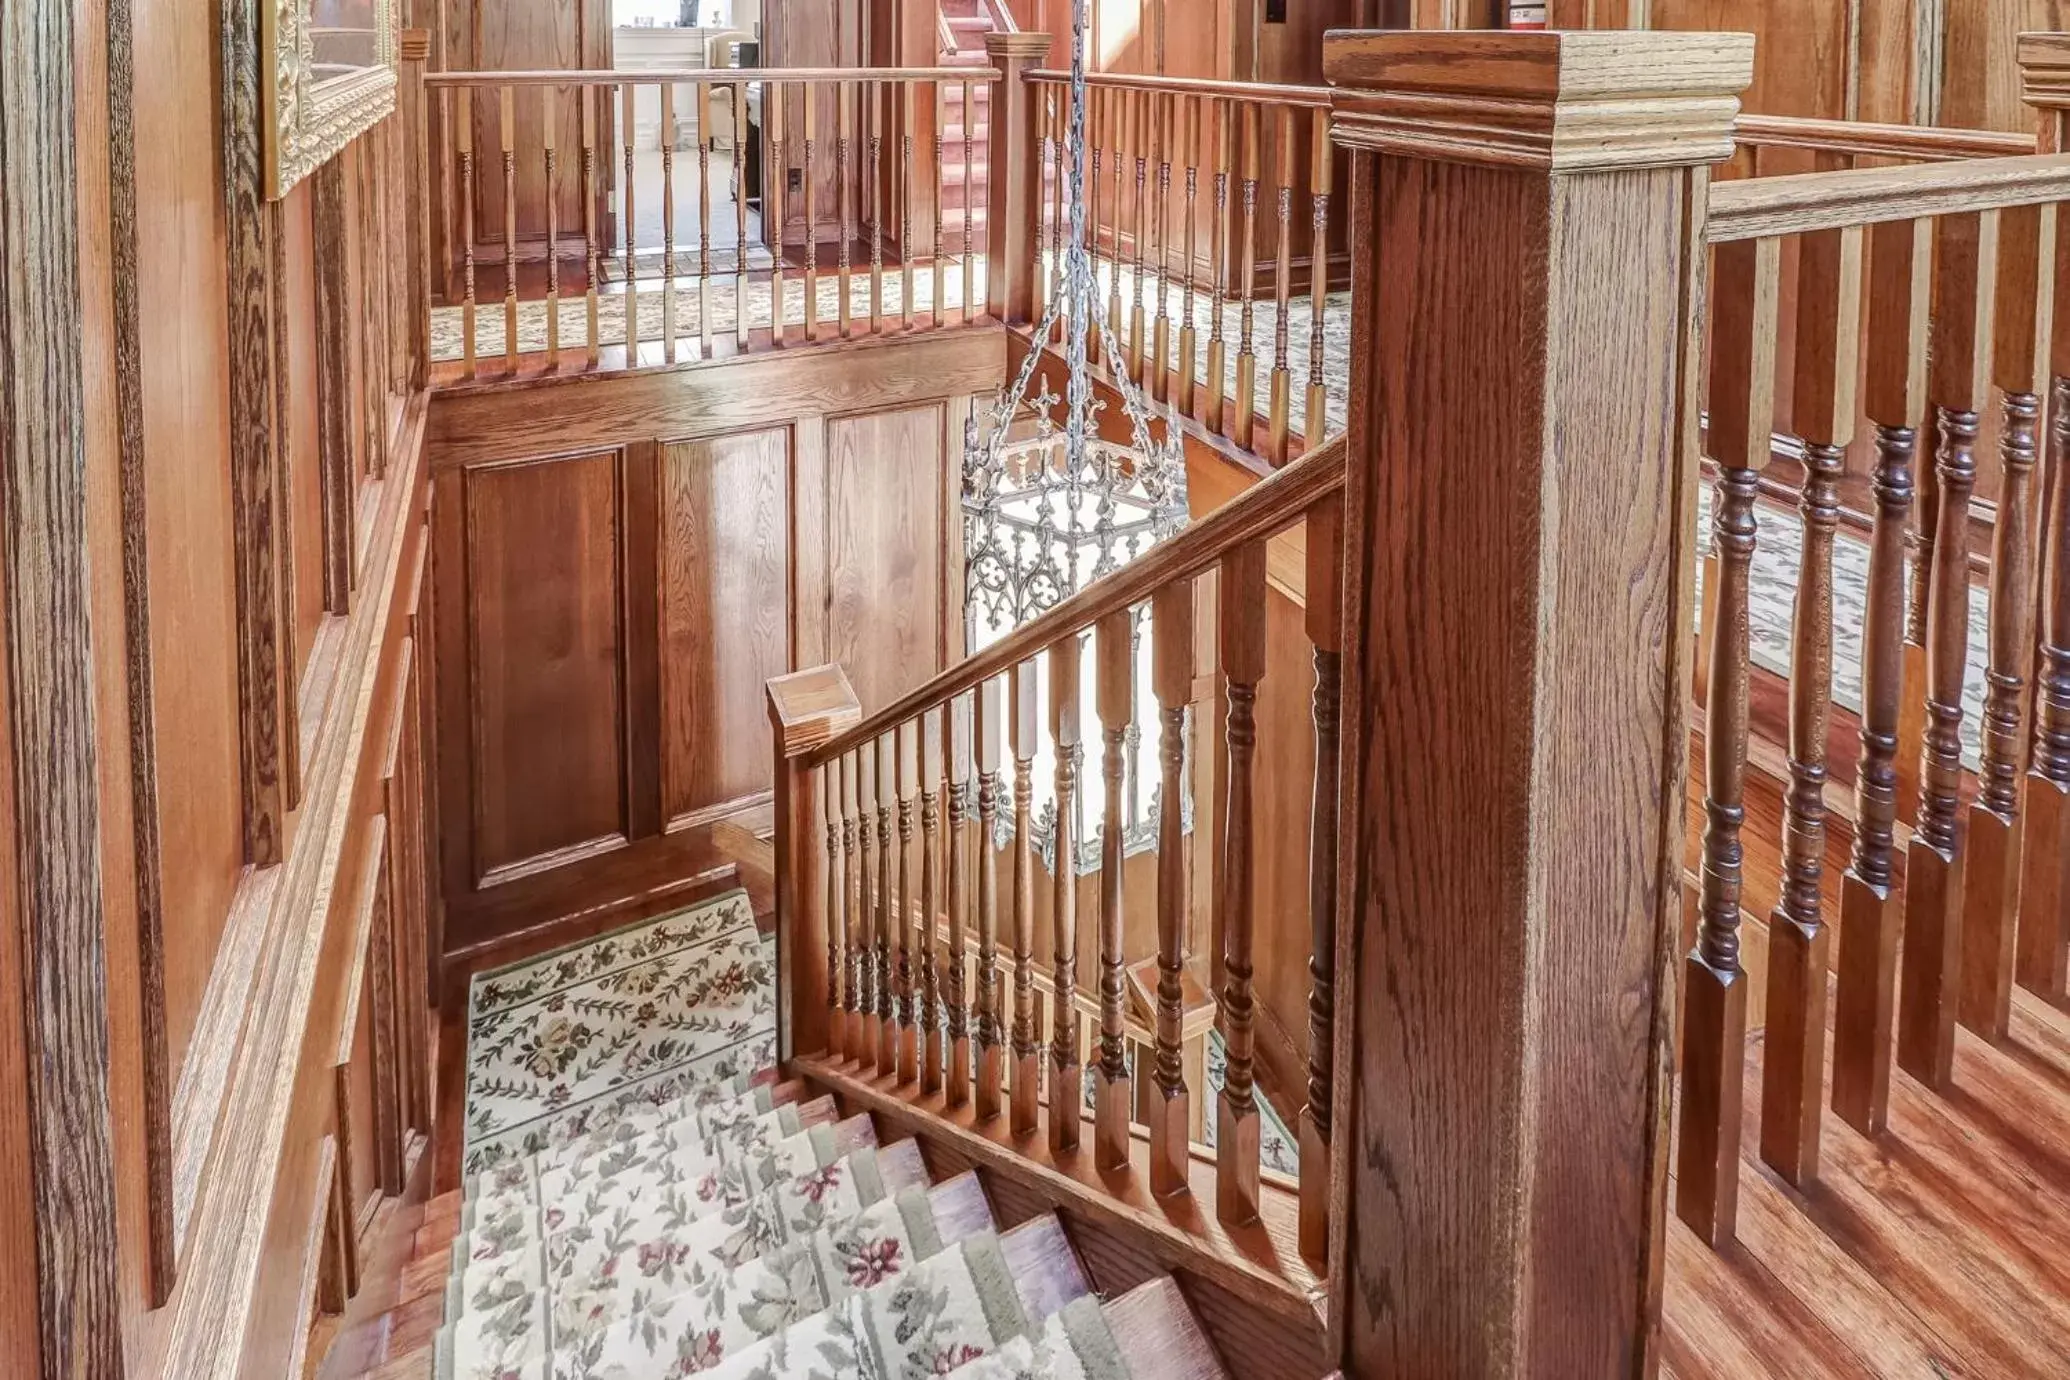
966 135
928 1208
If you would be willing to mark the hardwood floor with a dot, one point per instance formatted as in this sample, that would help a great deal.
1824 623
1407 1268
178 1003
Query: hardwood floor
397 1342
1940 1249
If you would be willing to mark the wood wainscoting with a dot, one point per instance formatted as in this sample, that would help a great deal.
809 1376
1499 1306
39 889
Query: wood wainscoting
621 563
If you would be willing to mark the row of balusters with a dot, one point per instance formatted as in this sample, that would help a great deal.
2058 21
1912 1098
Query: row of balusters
919 900
872 119
1955 308
1174 180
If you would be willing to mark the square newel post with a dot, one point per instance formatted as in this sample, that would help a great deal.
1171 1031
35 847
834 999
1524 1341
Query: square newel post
1519 580
806 710
1013 177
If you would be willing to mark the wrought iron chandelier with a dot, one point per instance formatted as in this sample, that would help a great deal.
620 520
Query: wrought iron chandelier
1049 507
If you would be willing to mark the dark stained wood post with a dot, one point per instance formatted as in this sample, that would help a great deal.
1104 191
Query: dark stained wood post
60 1257
806 709
2042 955
1013 192
1522 479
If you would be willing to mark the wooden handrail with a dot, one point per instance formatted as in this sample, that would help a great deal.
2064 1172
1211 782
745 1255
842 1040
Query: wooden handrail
1259 511
728 75
1923 142
1270 93
1759 207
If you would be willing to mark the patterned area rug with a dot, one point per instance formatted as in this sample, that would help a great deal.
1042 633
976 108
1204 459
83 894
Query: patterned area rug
691 993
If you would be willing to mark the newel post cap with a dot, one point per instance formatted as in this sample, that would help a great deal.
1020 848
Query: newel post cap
2045 70
1027 47
1563 101
416 45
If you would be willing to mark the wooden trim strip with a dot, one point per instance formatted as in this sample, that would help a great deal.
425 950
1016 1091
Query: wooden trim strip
333 384
1759 207
1880 141
49 800
1274 502
1266 93
251 449
160 1256
685 75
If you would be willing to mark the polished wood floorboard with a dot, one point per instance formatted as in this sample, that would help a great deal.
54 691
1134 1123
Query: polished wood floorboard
1939 1249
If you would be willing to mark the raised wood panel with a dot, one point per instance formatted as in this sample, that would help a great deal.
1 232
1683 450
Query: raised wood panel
183 354
544 640
885 499
724 614
304 449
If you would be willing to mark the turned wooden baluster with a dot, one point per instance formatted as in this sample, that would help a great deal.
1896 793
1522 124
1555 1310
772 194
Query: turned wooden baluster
955 963
1325 611
1241 592
1218 264
1189 137
991 734
740 217
930 901
1139 140
1169 1107
1027 1049
1096 107
630 215
837 903
669 135
2044 940
1315 412
973 307
811 180
887 907
844 134
1160 226
506 126
1991 886
1828 362
589 222
909 108
2042 959
1112 1094
1871 910
938 305
463 138
864 961
852 841
1742 409
875 149
908 938
1059 186
1118 139
550 103
1964 283
1066 1073
773 180
705 139
1282 383
1244 422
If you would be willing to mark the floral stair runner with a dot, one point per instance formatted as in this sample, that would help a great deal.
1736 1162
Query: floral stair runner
645 1202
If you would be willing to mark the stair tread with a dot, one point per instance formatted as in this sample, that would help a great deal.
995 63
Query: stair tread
1159 1337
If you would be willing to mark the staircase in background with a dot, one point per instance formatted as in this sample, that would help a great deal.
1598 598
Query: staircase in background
964 24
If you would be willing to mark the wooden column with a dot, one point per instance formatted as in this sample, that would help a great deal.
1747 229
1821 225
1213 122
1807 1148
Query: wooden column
805 710
60 1259
1515 733
1013 191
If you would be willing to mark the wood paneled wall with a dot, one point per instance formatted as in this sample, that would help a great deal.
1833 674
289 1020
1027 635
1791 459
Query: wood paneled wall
615 586
198 717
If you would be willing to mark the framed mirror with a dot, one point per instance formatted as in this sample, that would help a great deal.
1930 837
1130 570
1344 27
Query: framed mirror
330 75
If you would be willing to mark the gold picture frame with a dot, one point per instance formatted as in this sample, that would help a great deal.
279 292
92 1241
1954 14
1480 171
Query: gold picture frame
310 115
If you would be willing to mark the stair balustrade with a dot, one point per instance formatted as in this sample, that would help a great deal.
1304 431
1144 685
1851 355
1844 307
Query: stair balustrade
812 191
1925 305
972 734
